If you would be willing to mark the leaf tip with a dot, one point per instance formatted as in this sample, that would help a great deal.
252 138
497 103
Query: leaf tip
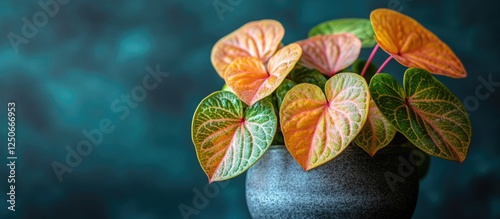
370 152
210 179
461 159
463 74
306 169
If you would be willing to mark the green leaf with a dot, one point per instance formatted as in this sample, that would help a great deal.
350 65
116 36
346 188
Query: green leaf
307 75
362 28
425 112
278 137
357 67
318 126
283 89
377 132
228 138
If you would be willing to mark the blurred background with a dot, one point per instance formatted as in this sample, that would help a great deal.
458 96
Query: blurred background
78 71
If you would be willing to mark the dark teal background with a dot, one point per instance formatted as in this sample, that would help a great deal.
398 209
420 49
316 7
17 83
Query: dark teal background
66 78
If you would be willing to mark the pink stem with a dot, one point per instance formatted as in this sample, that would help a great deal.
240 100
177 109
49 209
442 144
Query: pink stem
384 64
369 60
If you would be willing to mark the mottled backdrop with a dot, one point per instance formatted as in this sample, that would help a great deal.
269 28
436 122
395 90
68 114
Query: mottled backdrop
77 68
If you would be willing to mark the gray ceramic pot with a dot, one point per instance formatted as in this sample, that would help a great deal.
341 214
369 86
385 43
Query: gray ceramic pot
353 185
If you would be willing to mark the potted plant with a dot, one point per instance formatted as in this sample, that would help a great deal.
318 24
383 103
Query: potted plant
350 135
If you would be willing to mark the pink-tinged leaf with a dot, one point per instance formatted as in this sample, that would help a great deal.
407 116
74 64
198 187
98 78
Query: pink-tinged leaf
258 39
229 138
413 45
330 53
251 81
318 127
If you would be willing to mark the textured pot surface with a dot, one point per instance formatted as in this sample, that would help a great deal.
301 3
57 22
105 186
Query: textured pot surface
352 185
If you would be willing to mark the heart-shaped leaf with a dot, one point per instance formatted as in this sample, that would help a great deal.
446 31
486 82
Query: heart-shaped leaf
360 27
228 138
413 45
251 81
318 128
425 112
377 132
259 39
331 53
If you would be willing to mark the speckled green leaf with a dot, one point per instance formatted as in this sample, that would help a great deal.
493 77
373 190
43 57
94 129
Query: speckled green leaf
377 132
229 138
426 112
362 28
302 74
283 89
278 137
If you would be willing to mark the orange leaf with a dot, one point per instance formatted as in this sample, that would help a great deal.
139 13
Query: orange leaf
318 127
259 39
413 45
331 53
251 81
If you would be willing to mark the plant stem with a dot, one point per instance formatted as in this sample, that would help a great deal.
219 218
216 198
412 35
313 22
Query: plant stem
384 64
369 59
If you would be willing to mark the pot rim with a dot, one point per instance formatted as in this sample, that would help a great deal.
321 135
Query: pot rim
396 148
